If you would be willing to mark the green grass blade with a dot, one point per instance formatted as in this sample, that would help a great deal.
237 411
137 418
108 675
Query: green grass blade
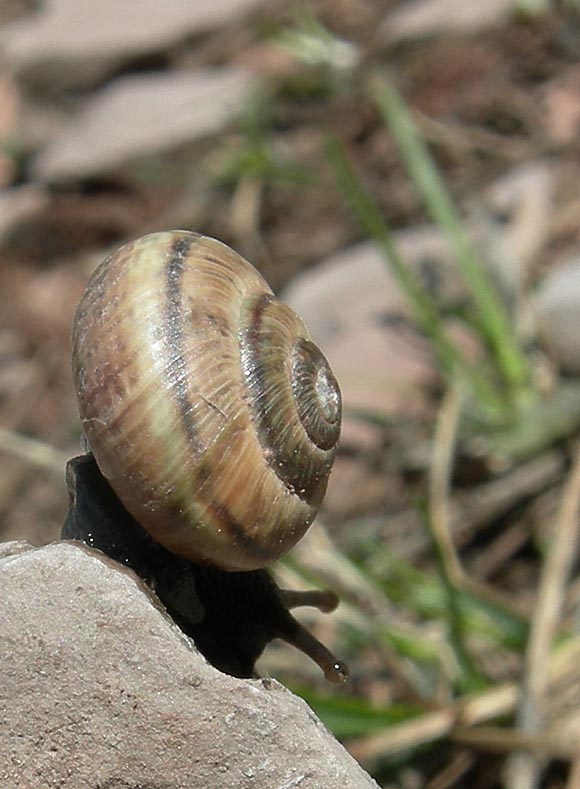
424 593
350 717
423 307
496 326
470 678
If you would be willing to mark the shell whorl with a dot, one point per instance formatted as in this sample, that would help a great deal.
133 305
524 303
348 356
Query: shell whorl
207 406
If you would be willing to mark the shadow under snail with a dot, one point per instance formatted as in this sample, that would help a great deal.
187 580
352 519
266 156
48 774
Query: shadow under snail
211 422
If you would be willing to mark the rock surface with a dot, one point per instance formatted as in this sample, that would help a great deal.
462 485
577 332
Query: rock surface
360 277
430 17
383 365
557 308
69 42
512 225
143 115
99 688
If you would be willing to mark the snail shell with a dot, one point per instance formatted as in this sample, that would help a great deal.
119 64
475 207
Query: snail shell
206 405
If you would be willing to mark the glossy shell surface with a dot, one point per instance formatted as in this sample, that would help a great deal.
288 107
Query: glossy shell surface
207 406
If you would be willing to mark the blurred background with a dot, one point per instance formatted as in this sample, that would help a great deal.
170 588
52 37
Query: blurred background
406 175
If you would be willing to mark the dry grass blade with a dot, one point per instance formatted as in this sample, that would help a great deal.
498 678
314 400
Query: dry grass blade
440 480
524 769
434 725
458 721
443 517
411 734
450 722
453 772
496 739
33 452
438 522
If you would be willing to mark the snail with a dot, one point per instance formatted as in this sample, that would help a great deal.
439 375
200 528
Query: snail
211 422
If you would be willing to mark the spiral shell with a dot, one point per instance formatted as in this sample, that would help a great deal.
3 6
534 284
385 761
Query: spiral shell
207 406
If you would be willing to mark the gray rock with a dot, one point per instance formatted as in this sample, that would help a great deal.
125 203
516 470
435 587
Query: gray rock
431 17
361 278
357 314
383 370
143 115
73 42
511 221
14 548
357 277
99 688
557 310
523 199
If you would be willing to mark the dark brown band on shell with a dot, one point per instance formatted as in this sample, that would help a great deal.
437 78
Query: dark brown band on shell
270 368
177 380
173 328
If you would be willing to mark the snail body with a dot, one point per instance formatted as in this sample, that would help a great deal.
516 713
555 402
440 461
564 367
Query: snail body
212 421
